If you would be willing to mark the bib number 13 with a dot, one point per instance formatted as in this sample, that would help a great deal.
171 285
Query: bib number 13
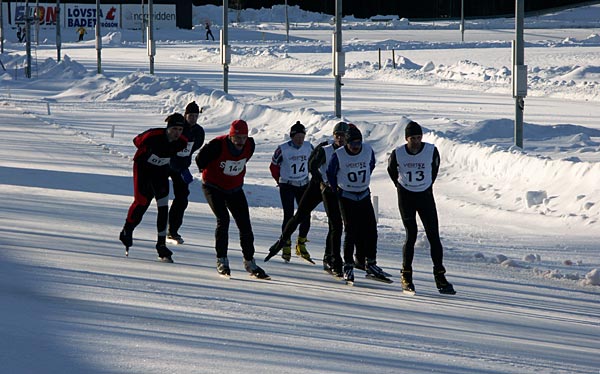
415 176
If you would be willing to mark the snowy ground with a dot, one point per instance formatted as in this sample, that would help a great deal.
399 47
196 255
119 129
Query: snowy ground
520 227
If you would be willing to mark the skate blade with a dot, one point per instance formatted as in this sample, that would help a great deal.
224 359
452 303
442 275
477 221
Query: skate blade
254 276
382 280
448 292
409 293
226 276
174 241
309 260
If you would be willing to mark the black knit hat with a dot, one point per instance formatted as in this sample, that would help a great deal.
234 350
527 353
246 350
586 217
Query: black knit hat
175 119
297 128
192 108
340 127
353 134
412 129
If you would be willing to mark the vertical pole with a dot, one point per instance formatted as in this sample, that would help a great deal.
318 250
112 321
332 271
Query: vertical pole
225 47
379 57
58 36
98 38
27 40
519 71
36 14
151 48
1 28
376 207
287 23
143 23
338 64
394 58
462 20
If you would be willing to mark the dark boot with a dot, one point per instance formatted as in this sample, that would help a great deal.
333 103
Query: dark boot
126 236
443 286
407 281
349 273
164 253
255 270
223 267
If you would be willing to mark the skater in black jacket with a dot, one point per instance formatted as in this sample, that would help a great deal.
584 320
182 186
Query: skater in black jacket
413 167
155 147
180 171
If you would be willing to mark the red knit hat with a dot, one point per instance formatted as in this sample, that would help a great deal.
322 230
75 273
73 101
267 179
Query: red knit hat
238 127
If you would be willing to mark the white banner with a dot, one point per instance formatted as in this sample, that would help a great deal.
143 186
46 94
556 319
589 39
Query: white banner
164 16
84 15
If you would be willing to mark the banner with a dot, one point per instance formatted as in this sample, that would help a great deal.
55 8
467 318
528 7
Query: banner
85 16
165 16
126 16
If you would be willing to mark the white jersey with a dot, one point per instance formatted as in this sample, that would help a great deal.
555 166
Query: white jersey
354 172
328 149
294 164
415 171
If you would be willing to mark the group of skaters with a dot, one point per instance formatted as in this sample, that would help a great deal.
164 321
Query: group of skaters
336 172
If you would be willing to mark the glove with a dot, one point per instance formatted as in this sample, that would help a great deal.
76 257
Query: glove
187 176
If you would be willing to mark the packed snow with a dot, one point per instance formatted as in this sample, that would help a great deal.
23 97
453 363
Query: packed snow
520 227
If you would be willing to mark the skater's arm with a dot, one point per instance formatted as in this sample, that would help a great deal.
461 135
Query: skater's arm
209 152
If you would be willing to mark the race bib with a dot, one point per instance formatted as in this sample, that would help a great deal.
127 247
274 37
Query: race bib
158 161
234 167
186 151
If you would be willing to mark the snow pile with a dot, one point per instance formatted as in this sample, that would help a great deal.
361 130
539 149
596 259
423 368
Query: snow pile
592 278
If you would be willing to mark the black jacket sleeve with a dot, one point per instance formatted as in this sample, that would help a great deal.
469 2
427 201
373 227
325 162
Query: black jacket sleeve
392 168
209 152
198 138
316 159
435 165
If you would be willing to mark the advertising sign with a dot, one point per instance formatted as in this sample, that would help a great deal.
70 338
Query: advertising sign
126 16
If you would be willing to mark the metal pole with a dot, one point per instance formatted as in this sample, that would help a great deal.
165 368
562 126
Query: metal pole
143 23
519 71
27 40
98 38
1 29
151 48
287 23
462 20
338 57
225 53
58 36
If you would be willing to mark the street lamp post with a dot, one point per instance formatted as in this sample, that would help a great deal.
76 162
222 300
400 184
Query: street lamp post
98 38
1 29
58 35
462 20
151 44
338 58
225 49
287 23
519 76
